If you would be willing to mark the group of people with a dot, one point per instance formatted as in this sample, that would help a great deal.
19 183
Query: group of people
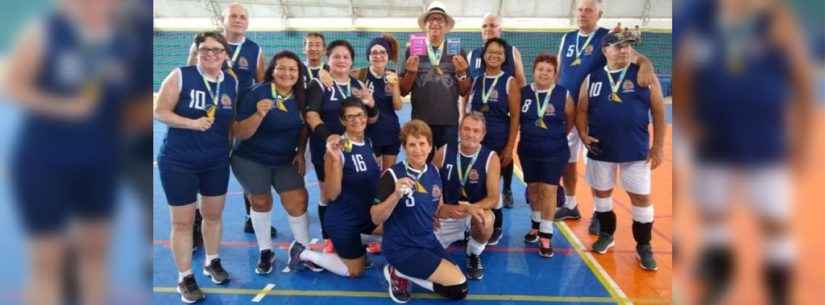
227 111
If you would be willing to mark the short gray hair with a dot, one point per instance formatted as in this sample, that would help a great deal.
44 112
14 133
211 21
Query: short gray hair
475 115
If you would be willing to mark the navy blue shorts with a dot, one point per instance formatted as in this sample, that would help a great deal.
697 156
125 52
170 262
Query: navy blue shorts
49 198
542 170
443 134
347 239
182 185
417 262
391 149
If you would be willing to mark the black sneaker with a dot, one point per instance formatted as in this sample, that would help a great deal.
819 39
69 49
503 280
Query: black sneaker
594 227
295 250
507 199
645 256
545 247
495 238
475 270
189 290
532 236
312 266
563 213
248 228
398 287
265 262
603 243
216 272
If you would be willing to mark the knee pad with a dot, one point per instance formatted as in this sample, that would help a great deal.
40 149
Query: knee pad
642 214
454 292
603 204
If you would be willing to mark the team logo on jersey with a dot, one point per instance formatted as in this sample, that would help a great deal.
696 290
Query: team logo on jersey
243 64
550 111
588 50
494 96
473 176
436 193
627 86
226 102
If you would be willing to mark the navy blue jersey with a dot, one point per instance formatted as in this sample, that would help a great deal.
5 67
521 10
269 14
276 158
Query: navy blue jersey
411 222
741 101
620 127
359 181
384 131
201 150
244 59
327 102
69 64
497 111
590 57
467 182
476 68
536 141
275 142
311 73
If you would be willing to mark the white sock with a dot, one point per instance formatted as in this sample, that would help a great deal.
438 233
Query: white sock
300 228
779 250
329 261
536 216
262 222
184 274
475 247
209 259
714 235
570 202
420 282
546 226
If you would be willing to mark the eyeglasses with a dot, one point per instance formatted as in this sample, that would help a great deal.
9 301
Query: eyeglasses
353 117
378 53
214 51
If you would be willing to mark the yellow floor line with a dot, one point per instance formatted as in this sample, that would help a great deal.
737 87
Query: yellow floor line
382 294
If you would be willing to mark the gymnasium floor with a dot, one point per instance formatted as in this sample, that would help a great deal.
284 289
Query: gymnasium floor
515 274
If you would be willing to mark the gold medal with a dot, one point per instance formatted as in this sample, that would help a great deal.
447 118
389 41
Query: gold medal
735 66
346 144
540 124
485 108
280 105
210 112
438 70
464 193
576 62
419 188
615 97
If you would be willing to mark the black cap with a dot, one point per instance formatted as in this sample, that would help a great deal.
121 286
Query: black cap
619 37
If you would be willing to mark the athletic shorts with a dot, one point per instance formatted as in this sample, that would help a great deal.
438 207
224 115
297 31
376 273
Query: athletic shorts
417 262
182 186
256 178
347 239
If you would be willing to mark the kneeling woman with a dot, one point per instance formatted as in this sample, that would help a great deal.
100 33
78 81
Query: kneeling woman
410 196
351 175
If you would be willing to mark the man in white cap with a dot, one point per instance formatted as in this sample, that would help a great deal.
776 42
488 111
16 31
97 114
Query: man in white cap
437 79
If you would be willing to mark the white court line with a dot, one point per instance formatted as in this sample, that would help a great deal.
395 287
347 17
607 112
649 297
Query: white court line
260 296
